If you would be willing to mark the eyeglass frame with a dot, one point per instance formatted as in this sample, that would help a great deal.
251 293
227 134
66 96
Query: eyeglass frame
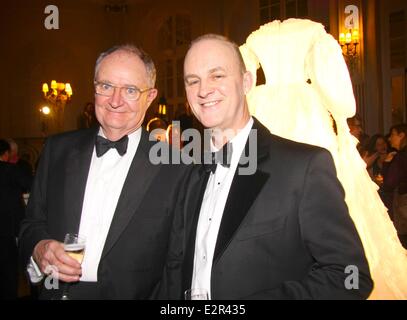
141 91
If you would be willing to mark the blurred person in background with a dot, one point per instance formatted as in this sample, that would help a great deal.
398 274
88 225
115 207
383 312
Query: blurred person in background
376 153
395 179
356 130
13 182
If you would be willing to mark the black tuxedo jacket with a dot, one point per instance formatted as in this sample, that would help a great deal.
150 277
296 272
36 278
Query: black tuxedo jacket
134 253
285 232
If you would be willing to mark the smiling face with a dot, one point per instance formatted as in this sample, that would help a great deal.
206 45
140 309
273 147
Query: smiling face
216 86
381 146
116 115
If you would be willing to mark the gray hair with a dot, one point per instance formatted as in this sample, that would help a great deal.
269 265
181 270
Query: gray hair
232 44
133 50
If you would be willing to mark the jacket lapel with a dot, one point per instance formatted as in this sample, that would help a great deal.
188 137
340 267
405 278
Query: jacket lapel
138 180
76 173
243 191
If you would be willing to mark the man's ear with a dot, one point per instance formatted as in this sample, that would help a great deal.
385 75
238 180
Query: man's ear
151 95
247 82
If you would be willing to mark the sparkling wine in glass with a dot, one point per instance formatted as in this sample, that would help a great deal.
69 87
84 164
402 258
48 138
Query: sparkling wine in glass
74 246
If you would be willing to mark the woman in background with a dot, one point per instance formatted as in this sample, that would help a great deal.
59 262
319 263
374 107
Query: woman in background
376 153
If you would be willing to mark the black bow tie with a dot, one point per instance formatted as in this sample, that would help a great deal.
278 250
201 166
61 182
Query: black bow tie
222 156
103 145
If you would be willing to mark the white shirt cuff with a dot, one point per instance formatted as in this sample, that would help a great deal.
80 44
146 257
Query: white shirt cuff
34 272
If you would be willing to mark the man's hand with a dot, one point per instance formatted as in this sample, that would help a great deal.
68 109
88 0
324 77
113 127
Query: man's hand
390 156
370 159
51 253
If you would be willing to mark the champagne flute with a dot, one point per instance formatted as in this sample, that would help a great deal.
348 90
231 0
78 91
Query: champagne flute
378 178
74 246
196 294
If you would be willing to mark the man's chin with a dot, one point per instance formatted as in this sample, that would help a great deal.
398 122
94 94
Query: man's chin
209 123
113 127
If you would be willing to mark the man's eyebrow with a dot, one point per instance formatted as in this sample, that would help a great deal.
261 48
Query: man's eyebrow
188 76
113 84
103 81
216 69
213 70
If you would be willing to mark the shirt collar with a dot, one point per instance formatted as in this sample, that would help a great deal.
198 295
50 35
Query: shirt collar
238 142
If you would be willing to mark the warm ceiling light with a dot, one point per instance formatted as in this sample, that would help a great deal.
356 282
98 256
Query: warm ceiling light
45 110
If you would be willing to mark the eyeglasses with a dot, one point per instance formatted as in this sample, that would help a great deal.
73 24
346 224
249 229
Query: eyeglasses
129 93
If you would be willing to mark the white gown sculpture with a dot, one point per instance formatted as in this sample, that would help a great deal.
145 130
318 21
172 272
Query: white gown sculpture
308 84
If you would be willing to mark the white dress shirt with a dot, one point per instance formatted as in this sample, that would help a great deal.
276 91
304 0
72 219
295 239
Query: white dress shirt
103 188
210 216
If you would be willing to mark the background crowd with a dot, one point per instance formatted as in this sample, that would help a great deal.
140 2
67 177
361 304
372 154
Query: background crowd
386 162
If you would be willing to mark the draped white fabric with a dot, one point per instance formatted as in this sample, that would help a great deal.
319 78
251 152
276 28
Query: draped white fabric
291 53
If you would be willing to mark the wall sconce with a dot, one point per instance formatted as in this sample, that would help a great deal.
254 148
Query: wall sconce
162 107
349 42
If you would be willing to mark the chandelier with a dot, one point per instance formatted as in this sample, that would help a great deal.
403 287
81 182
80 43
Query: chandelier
60 92
58 95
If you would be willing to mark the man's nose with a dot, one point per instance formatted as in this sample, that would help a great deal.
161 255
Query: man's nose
116 100
205 88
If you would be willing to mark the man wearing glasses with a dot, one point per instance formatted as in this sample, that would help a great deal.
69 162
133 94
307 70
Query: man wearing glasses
101 184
